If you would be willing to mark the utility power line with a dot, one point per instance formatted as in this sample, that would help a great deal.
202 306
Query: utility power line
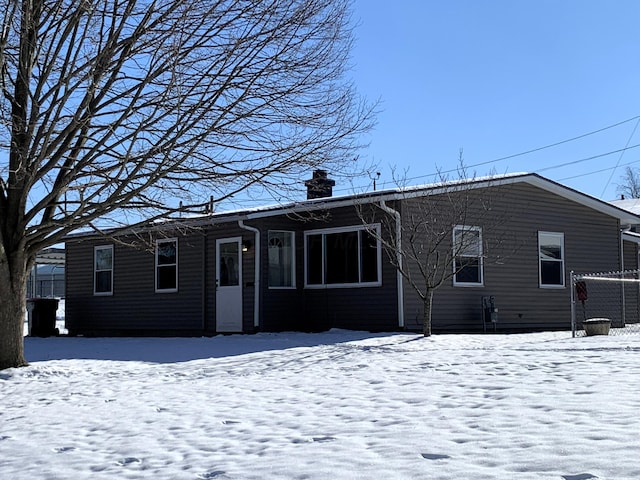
636 118
534 150
620 157
602 170
593 157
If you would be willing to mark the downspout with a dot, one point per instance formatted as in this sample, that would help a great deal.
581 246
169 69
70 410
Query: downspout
256 300
203 293
622 230
399 285
623 268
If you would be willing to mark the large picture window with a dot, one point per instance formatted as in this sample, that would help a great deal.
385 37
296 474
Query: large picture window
281 259
342 256
551 258
467 255
103 270
167 265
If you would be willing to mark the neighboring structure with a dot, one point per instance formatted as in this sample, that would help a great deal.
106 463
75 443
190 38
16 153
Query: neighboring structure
631 234
631 259
314 265
46 278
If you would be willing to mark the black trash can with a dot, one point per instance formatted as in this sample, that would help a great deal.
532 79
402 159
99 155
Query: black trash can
42 316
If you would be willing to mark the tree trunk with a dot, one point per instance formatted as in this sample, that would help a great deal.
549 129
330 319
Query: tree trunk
13 293
428 305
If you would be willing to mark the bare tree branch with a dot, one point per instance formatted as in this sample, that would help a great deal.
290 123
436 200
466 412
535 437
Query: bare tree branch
630 186
449 232
135 107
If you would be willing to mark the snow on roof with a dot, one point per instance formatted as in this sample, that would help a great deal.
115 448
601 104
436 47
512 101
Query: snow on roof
396 192
51 256
399 193
629 204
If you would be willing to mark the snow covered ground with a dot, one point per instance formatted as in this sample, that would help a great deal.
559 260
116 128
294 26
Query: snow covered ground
337 405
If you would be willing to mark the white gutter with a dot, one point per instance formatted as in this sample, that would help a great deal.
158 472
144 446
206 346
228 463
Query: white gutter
256 300
629 236
399 285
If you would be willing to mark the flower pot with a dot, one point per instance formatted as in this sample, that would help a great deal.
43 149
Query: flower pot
596 326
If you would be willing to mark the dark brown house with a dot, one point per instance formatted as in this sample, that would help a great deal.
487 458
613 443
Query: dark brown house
317 264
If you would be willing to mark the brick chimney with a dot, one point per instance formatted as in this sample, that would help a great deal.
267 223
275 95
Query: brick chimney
319 186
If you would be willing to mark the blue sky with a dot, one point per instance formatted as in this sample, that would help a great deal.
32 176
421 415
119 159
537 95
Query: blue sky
497 78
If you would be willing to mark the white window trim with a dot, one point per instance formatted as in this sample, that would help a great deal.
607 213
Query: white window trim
155 284
293 259
480 257
354 228
546 285
95 269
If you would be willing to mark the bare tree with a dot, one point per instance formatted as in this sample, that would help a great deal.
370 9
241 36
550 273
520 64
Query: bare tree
630 186
118 110
441 233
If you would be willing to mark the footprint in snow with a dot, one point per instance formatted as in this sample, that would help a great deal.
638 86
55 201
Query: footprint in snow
64 449
213 474
434 456
579 476
299 441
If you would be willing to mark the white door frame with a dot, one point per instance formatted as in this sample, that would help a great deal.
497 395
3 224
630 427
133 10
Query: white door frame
229 287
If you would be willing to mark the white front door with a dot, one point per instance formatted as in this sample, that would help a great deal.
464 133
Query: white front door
228 285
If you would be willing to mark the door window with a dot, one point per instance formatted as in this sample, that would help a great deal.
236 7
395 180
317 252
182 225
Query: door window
229 260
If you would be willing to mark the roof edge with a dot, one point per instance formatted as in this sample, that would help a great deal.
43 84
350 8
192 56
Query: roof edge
624 216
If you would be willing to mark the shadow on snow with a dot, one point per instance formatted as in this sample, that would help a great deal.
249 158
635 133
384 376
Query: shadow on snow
179 349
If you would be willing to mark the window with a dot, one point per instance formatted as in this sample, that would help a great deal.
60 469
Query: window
342 256
103 270
551 257
167 265
229 262
281 259
467 255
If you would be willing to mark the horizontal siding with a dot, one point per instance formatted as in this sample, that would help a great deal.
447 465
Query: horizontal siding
310 309
358 308
281 309
217 232
517 213
510 233
134 305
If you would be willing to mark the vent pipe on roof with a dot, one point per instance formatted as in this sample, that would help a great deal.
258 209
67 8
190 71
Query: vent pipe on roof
320 186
